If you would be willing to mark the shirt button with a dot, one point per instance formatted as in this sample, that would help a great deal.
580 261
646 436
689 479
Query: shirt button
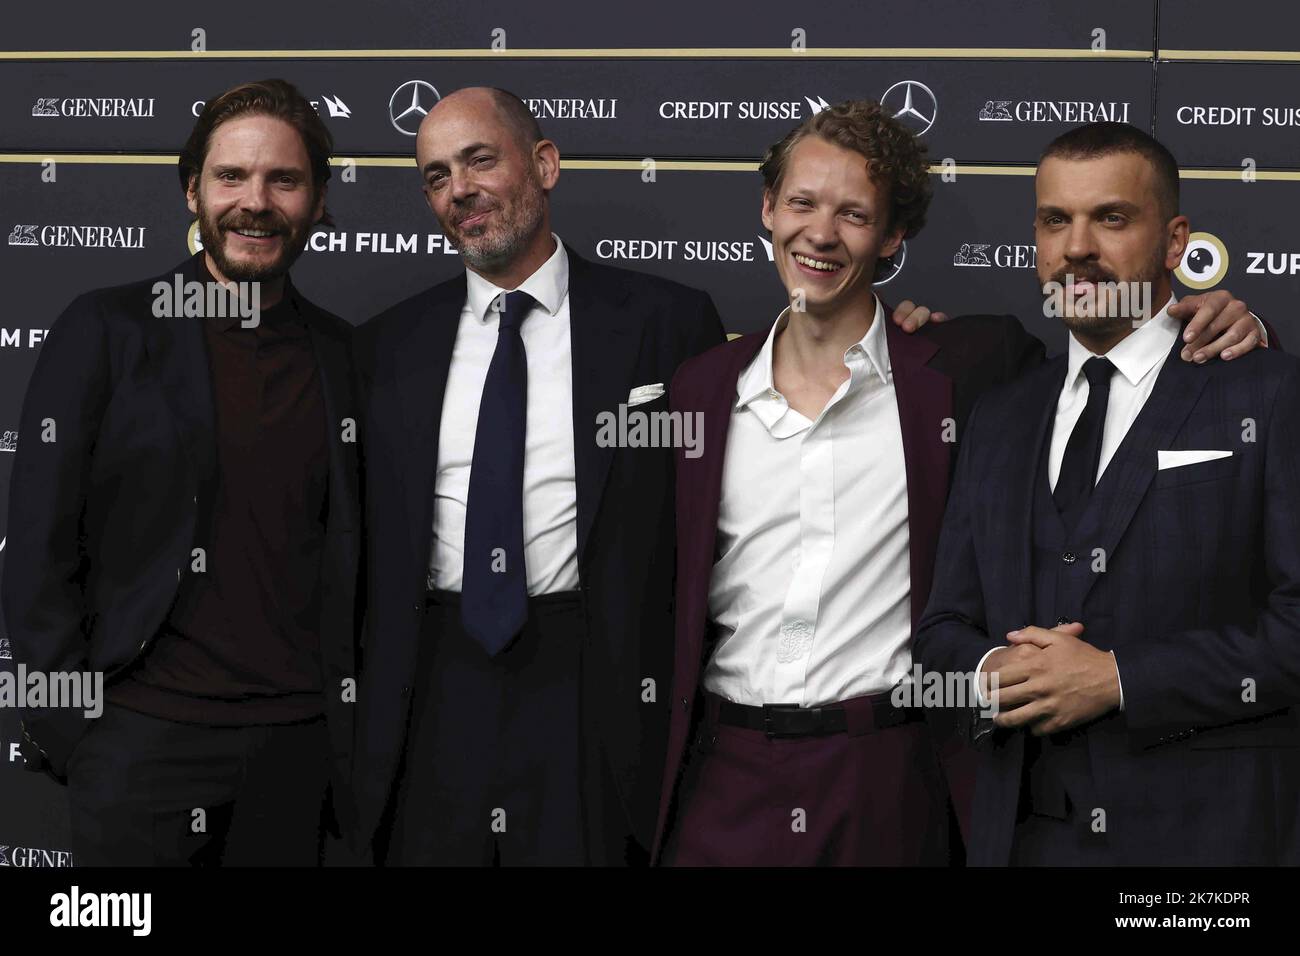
683 703
1068 557
772 393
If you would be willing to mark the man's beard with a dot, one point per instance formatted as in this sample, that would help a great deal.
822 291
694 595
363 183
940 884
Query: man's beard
492 250
1100 321
212 233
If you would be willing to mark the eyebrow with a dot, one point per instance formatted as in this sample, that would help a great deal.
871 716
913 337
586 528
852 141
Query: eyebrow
472 148
811 192
1114 205
219 168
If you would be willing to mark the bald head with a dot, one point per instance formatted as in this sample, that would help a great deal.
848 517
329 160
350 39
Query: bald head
486 108
486 171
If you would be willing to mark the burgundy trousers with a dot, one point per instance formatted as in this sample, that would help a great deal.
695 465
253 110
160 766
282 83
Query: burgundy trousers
868 797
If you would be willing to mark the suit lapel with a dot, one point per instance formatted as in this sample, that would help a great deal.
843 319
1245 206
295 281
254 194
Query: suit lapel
1032 431
421 384
925 400
699 485
178 347
332 361
605 336
1124 482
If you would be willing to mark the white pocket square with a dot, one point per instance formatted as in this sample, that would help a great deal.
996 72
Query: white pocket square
645 393
1176 459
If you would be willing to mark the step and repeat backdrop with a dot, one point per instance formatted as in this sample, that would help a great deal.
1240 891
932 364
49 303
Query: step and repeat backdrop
94 106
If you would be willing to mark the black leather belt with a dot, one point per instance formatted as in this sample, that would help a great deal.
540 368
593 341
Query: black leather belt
791 720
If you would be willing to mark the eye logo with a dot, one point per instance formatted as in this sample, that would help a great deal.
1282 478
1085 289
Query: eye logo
1205 262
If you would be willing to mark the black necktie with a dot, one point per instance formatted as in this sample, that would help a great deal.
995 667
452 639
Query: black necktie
494 589
1083 451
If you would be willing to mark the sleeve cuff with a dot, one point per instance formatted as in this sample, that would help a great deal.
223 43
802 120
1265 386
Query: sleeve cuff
1120 679
979 694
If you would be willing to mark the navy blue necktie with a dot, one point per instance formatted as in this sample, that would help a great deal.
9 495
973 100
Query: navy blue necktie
1083 451
494 589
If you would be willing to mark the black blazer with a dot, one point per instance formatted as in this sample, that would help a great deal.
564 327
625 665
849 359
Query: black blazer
627 329
1200 592
102 519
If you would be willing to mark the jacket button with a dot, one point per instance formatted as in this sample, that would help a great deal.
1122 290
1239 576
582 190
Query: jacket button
684 703
1068 557
406 691
1062 620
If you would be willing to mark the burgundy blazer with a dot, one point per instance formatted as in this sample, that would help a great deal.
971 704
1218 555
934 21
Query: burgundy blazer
939 372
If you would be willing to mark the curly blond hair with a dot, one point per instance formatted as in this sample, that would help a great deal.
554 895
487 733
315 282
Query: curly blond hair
895 157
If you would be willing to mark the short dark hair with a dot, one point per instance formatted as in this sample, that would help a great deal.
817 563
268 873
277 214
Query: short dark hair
277 98
517 116
1095 140
895 157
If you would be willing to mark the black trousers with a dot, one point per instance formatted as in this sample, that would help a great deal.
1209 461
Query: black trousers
144 791
493 767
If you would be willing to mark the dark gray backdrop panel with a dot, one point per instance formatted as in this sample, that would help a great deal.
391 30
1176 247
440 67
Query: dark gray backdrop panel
430 24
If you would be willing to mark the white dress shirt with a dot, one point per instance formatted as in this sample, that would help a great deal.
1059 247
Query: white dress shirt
550 488
1138 359
812 592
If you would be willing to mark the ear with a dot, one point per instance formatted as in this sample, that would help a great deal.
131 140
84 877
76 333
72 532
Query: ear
318 212
546 157
191 195
893 240
766 215
1176 237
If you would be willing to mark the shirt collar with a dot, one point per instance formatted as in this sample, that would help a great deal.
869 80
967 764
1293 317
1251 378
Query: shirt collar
548 285
1136 354
757 381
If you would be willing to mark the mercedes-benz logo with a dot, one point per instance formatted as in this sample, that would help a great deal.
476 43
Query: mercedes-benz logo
409 104
912 103
888 268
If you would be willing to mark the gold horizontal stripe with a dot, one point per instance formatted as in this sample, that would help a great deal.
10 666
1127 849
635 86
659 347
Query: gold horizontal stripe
1280 175
634 165
1261 56
873 53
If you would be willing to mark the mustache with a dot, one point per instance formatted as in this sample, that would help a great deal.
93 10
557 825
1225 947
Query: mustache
268 223
469 212
1084 273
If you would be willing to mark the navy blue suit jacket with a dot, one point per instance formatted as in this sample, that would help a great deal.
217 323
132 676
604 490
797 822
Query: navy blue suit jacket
1199 600
627 330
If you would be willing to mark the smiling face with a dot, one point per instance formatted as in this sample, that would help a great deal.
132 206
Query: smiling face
486 187
1100 220
254 198
829 223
